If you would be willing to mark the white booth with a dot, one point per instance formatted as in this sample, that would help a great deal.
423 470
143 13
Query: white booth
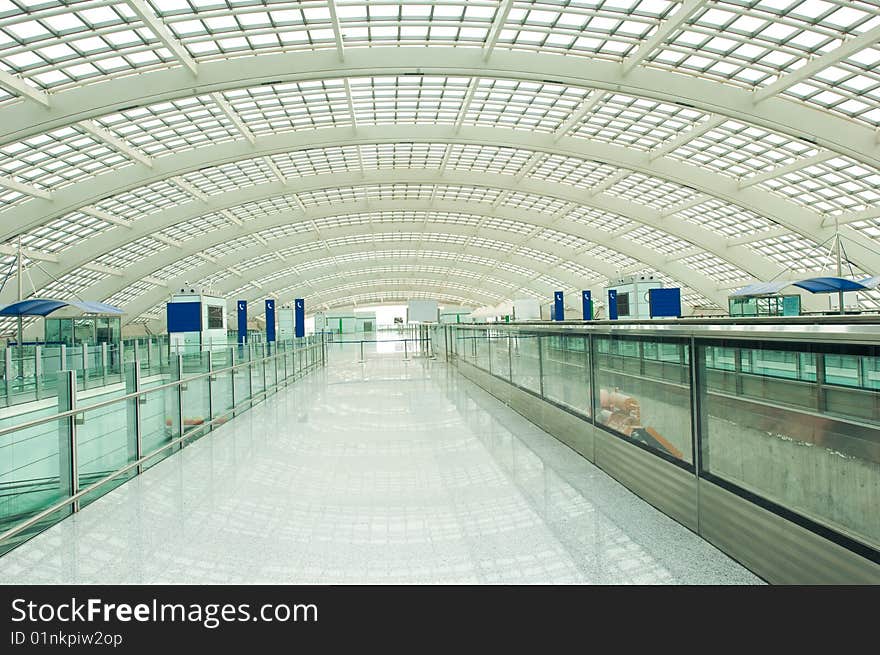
196 320
632 295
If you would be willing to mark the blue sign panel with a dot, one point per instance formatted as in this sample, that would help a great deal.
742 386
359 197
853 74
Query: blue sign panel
184 316
664 303
270 320
299 317
612 304
587 300
558 306
242 321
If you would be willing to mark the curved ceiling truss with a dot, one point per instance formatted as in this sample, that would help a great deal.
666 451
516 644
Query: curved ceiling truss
712 142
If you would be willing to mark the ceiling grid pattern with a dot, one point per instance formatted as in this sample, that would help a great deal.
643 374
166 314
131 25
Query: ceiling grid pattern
128 212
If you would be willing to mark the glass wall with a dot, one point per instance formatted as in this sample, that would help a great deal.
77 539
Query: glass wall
566 370
643 392
525 366
83 329
799 426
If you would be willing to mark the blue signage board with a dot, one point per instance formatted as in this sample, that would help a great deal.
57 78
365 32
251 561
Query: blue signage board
183 316
558 306
270 320
612 304
299 317
242 321
587 301
664 303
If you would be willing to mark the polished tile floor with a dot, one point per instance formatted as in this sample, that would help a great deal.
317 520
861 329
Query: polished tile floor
386 472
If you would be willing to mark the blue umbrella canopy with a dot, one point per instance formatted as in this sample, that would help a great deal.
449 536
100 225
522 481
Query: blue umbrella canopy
812 284
45 306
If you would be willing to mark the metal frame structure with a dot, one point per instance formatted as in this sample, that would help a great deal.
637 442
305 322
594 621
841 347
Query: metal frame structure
710 143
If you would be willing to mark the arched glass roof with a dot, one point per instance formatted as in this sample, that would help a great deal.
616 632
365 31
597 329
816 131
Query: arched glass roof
352 151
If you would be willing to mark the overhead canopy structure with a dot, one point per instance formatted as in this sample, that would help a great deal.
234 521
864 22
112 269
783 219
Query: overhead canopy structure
45 306
348 151
813 285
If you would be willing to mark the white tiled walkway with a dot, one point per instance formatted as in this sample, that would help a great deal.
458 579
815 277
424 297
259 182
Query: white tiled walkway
389 472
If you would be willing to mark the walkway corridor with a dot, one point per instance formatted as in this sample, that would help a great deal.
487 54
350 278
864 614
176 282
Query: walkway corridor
386 472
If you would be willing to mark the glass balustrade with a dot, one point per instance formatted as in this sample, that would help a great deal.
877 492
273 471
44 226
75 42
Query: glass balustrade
128 408
791 425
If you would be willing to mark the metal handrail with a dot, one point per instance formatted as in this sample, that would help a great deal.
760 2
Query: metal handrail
136 394
140 461
383 340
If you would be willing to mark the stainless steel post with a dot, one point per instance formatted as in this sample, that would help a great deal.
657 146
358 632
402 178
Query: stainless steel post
10 374
105 361
38 370
540 365
84 351
180 389
132 375
211 380
67 455
232 374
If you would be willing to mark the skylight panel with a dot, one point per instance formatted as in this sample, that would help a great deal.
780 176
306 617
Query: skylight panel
572 171
646 190
657 240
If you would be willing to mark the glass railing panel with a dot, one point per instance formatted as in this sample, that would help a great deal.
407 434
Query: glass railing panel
160 422
499 353
221 394
811 447
481 352
196 393
566 369
525 361
256 372
646 401
104 444
34 475
241 381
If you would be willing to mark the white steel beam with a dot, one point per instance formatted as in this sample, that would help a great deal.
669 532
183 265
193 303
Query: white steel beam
754 237
162 33
650 258
30 253
275 170
337 29
696 132
820 63
696 199
795 119
587 106
186 187
106 136
232 218
106 216
233 117
26 189
466 103
495 29
350 101
779 171
530 165
101 268
663 32
608 182
109 240
19 87
168 241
